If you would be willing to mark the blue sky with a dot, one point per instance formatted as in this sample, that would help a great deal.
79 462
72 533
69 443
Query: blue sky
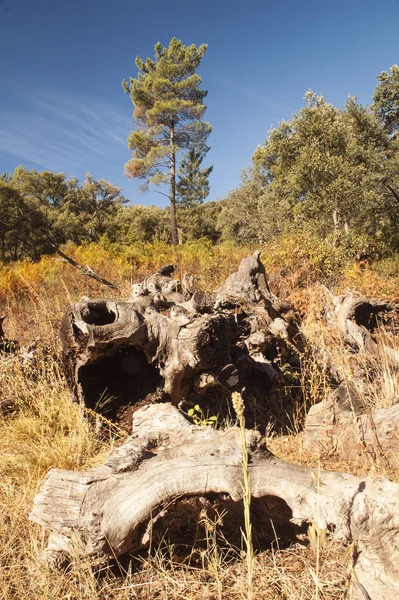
62 107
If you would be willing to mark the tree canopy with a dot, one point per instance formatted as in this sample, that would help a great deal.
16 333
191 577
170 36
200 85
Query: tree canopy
325 162
193 183
386 99
332 169
40 211
329 172
168 107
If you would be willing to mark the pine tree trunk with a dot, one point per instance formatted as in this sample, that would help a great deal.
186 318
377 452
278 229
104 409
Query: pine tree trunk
172 192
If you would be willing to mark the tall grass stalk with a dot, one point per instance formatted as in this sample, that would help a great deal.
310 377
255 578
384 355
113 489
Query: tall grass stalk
238 405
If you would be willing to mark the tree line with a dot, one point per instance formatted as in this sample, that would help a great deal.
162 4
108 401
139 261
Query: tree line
332 172
40 211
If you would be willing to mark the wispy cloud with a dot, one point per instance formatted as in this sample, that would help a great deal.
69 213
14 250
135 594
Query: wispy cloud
61 132
256 94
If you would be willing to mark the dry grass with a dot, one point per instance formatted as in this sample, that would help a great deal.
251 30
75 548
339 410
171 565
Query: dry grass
44 429
34 296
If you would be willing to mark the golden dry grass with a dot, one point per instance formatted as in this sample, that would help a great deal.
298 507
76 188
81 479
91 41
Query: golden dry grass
46 430
43 429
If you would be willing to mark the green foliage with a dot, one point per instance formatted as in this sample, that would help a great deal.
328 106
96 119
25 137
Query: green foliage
141 224
252 213
335 170
40 211
325 165
193 184
330 173
50 189
22 219
169 106
328 177
199 417
386 99
89 210
199 222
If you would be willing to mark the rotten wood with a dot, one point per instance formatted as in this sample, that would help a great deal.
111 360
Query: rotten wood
172 343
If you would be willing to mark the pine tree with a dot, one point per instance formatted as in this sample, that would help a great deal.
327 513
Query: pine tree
193 184
169 106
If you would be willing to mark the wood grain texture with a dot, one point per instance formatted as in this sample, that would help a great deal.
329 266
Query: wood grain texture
110 507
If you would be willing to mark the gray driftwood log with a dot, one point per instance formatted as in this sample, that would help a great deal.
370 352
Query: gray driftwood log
112 509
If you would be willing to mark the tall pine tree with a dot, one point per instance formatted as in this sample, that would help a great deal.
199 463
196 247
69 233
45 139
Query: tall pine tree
168 106
193 184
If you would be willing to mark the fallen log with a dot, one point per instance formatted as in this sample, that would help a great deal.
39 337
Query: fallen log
341 426
357 318
113 509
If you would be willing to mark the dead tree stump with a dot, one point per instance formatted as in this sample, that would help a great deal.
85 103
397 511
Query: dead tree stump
172 344
163 344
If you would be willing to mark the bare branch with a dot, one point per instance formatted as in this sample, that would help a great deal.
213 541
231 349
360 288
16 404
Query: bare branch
86 271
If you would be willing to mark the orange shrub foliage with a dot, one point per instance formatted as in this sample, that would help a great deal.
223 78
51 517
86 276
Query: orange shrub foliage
34 293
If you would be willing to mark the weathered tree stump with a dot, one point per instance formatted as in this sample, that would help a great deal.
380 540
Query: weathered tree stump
171 343
112 509
166 343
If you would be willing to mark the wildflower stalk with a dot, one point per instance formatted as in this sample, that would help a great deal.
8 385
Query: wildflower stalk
238 405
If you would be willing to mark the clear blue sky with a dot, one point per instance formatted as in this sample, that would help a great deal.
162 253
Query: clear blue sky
62 107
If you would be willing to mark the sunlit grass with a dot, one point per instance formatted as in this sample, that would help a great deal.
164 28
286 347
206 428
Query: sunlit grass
44 429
